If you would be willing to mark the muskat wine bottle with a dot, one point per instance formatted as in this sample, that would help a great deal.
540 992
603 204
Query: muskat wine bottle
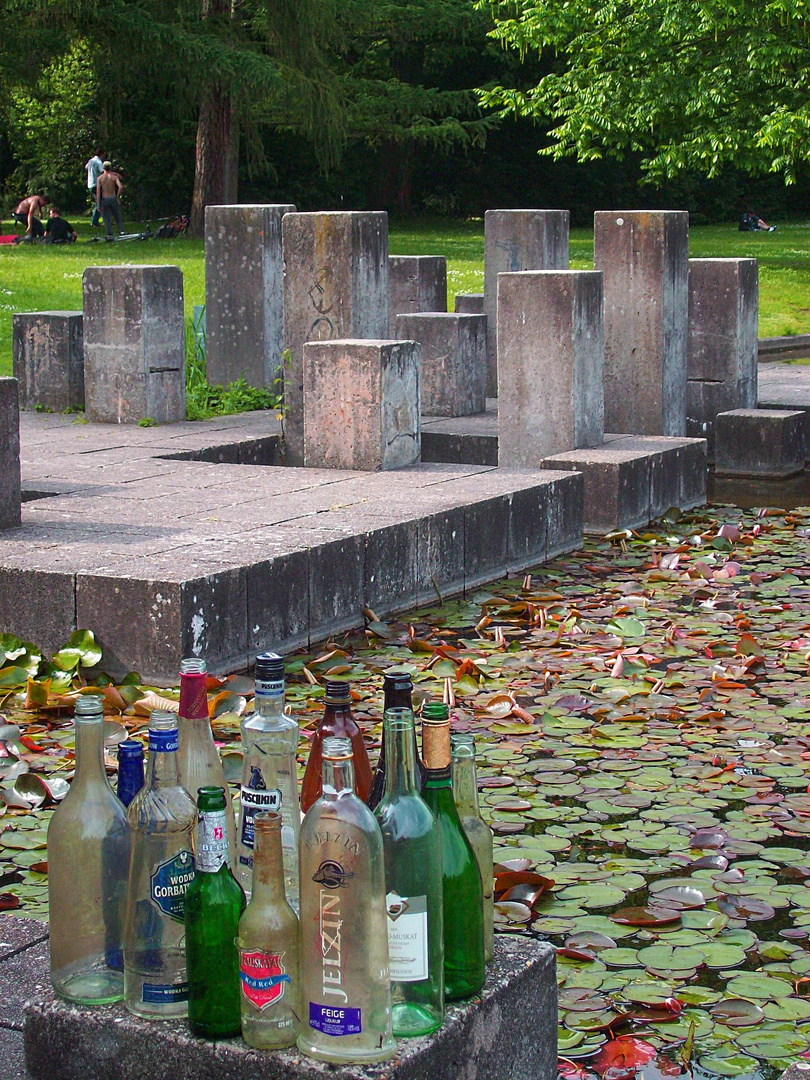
344 940
337 721
465 795
130 770
461 879
397 694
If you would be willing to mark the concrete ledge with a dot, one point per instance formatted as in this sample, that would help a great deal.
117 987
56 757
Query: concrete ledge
760 442
789 347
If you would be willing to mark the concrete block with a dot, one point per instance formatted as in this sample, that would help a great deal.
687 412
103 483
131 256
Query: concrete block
704 400
361 404
643 255
12 1055
759 442
278 603
616 486
440 557
678 473
336 586
134 344
335 286
415 283
48 351
723 321
10 497
453 361
566 507
550 361
391 567
244 316
486 541
24 977
17 933
471 303
28 594
527 542
518 240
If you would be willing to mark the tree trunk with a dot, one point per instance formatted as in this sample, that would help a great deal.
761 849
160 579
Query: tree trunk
213 160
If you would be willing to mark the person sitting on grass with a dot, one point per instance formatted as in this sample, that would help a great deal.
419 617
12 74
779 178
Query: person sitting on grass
57 230
751 222
29 213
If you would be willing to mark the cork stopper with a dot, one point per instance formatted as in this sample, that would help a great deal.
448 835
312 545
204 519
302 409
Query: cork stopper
436 744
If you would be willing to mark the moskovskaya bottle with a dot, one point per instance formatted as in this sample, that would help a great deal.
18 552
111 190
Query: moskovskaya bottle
269 776
130 770
162 817
88 860
465 795
413 880
344 936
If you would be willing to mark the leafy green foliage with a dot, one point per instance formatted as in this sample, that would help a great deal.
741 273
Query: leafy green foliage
204 401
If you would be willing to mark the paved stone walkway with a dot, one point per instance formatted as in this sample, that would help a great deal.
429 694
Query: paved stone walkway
24 975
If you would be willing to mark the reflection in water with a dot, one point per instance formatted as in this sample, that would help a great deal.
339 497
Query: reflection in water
746 492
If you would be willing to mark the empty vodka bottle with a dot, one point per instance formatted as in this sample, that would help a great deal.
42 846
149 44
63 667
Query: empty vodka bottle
397 694
162 817
337 721
130 770
88 859
344 939
269 774
465 795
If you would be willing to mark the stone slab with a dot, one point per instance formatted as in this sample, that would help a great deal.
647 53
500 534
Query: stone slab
17 933
452 361
786 386
48 352
723 320
790 346
760 442
10 496
12 1055
704 400
678 469
471 303
415 283
24 977
616 483
511 1030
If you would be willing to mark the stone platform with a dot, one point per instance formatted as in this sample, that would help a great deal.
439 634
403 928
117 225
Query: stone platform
786 386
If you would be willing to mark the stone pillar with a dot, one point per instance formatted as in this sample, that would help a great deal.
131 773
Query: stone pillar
644 255
518 240
415 283
361 404
453 364
550 355
721 359
49 360
470 303
9 455
134 344
335 286
244 317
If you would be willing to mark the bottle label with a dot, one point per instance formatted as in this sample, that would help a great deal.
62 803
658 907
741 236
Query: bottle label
407 937
164 742
335 1019
164 993
270 688
169 882
212 841
256 798
263 977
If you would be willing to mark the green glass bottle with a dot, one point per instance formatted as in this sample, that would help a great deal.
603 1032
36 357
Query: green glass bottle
214 904
465 794
413 885
463 892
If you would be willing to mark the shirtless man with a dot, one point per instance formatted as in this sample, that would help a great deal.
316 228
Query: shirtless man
29 213
108 188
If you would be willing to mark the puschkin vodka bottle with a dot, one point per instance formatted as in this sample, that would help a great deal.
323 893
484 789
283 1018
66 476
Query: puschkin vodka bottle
397 694
344 936
269 776
162 817
413 878
88 858
130 770
197 755
338 722
465 795
268 948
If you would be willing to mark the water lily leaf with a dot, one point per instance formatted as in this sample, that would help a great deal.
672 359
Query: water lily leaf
622 1057
667 958
733 1064
648 992
681 896
512 913
645 916
737 1012
759 987
768 1045
788 1009
13 678
745 907
720 955
151 700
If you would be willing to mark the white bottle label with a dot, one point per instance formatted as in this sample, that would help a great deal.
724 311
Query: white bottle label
407 937
256 798
212 840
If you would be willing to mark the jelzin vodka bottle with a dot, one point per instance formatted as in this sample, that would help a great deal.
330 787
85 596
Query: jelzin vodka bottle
465 796
162 817
413 879
344 939
337 721
268 947
130 770
214 904
88 858
463 892
397 691
269 776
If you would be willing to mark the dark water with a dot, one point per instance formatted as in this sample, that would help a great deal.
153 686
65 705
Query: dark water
749 492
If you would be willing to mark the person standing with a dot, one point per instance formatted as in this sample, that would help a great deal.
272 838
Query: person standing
29 214
94 168
108 188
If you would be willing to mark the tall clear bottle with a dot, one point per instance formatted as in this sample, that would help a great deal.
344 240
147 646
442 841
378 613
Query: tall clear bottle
269 774
269 970
344 939
88 859
413 880
198 757
337 722
162 817
397 694
465 795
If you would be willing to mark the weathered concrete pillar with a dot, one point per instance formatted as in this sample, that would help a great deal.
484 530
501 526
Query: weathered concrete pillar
469 303
48 352
244 317
550 356
644 255
335 286
361 404
415 283
453 364
518 240
9 454
134 344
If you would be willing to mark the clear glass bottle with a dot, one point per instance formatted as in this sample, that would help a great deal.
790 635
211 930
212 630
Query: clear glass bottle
346 985
88 860
214 904
337 721
130 770
198 757
464 970
268 947
397 694
162 817
269 774
413 880
465 796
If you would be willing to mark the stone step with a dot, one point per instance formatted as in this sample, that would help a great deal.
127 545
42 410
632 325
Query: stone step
760 442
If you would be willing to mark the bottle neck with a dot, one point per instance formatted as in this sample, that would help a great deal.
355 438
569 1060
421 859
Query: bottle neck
338 778
193 697
337 718
90 752
400 749
163 769
270 706
268 867
465 787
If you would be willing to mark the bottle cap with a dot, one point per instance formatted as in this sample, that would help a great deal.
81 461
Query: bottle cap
337 691
269 667
336 748
435 711
398 679
436 744
193 665
89 705
130 750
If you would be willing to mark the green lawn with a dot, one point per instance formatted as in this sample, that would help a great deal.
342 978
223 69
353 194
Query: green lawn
41 278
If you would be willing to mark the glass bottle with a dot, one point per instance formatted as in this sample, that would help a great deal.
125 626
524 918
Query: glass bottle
463 892
88 859
130 770
214 904
397 694
413 880
337 721
346 986
465 796
162 817
269 774
268 947
198 757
